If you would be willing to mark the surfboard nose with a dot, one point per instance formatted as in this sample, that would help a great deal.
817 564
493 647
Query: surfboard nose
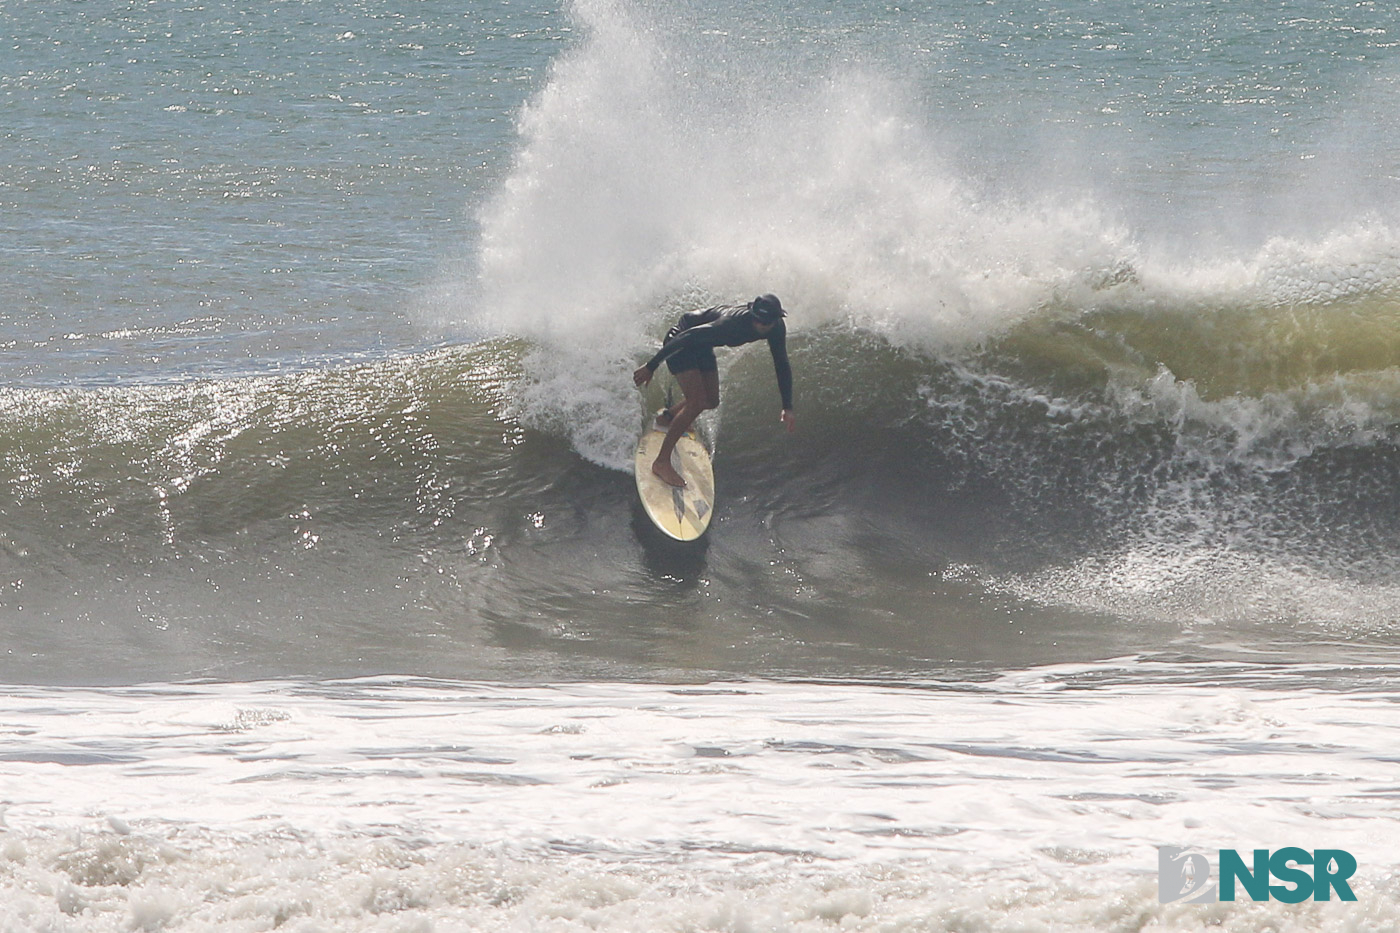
680 512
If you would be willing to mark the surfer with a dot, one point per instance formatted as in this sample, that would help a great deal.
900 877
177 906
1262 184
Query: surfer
689 352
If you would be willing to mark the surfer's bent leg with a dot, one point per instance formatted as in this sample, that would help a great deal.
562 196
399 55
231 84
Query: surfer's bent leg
699 388
711 377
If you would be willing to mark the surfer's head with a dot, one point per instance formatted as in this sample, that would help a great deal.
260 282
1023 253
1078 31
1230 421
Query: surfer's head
767 309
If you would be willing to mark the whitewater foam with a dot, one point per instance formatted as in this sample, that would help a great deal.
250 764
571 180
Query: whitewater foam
651 171
661 169
1038 797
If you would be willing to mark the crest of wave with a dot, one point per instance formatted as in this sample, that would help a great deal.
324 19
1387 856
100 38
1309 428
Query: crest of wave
662 164
1356 260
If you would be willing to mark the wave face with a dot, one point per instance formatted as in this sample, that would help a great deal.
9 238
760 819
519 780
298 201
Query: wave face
1102 476
1088 360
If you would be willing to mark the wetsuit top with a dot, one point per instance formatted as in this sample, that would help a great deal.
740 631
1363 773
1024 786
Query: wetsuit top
728 326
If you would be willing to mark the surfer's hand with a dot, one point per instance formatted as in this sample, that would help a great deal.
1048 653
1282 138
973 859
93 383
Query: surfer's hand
642 376
788 419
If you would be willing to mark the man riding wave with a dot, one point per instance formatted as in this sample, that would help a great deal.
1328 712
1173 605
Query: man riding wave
689 352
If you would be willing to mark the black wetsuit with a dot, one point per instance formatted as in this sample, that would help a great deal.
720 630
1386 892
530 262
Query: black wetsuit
691 343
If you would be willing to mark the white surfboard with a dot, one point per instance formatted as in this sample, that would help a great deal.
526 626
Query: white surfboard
682 513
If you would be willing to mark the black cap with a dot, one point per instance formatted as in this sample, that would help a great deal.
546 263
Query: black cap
767 307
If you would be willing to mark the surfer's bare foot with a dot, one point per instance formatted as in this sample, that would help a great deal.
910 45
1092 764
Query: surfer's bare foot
667 473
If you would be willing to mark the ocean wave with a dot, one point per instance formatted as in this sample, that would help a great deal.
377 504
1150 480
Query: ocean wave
658 169
422 489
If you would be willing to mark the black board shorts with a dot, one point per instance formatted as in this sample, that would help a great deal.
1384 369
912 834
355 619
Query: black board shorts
701 358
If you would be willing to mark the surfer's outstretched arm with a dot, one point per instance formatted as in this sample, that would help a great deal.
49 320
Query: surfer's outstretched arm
777 345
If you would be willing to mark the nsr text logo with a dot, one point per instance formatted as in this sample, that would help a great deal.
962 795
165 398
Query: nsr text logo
1183 875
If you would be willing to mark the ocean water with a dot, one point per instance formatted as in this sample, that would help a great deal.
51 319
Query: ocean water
325 602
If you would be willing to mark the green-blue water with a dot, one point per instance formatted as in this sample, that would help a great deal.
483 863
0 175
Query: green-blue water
317 321
1094 323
